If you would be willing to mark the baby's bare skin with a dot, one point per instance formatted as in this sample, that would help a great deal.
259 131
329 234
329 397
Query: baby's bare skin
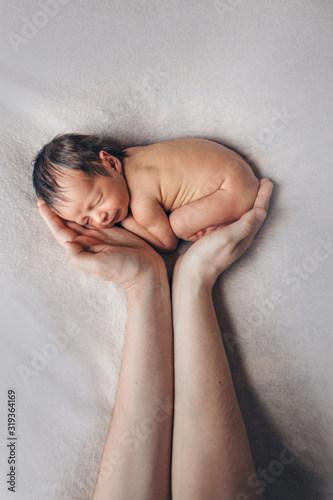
200 184
181 188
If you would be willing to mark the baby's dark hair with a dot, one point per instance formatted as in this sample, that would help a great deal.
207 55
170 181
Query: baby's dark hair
70 152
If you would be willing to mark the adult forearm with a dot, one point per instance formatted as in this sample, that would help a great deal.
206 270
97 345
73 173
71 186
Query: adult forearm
205 399
138 445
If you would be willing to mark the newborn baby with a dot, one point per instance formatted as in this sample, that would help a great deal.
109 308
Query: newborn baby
181 188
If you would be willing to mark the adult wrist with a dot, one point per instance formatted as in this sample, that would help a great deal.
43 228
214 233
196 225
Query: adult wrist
153 277
191 279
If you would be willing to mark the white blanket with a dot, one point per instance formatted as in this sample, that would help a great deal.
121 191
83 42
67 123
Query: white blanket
254 75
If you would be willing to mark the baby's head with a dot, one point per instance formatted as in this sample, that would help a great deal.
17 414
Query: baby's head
80 177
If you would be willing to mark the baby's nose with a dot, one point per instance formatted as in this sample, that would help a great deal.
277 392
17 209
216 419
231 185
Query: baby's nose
100 217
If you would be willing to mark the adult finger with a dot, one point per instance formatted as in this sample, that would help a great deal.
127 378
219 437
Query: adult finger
95 235
94 232
55 224
75 226
81 259
247 225
264 194
251 227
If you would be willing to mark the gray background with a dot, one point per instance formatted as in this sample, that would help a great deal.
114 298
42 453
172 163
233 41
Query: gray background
255 75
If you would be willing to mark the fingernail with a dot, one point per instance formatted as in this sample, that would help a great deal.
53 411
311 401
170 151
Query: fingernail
40 202
261 215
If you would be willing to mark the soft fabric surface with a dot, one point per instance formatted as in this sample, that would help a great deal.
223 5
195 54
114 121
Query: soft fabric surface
254 75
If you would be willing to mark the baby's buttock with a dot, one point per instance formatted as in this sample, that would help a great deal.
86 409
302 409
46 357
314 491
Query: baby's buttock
196 187
194 191
238 180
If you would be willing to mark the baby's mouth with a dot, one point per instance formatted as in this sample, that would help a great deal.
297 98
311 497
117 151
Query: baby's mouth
110 223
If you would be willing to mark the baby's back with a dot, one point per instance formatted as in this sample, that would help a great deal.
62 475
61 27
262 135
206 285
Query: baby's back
180 171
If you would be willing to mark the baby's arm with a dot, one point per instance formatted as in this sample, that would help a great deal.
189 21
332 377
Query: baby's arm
150 222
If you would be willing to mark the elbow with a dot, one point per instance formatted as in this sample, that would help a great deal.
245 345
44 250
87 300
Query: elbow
169 246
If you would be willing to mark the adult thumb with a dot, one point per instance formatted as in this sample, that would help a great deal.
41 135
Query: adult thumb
247 224
72 249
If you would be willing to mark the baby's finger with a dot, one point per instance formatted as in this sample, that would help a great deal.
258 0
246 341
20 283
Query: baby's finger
55 224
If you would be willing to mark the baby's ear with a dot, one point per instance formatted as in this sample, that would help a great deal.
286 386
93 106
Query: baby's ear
111 161
104 156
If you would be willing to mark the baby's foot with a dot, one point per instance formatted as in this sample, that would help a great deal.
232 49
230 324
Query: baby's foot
210 229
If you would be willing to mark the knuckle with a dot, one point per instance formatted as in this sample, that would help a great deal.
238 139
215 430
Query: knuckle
248 226
229 241
230 244
72 261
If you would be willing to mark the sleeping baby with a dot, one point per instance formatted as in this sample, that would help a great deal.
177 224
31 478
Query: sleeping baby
181 188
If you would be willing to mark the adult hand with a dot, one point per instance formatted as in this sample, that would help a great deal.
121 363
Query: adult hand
208 257
109 254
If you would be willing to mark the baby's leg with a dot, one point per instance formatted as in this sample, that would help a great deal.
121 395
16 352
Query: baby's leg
218 209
